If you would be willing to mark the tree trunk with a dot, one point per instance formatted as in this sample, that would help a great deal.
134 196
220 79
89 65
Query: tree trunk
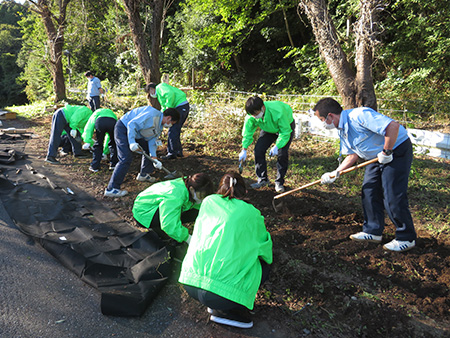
365 30
356 89
54 27
149 65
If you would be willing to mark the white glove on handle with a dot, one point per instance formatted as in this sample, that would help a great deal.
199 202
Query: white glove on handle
134 147
73 133
188 240
274 151
330 177
243 155
157 164
86 146
383 158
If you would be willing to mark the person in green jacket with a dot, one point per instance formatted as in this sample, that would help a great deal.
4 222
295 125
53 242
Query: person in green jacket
171 97
103 121
71 119
276 121
165 206
229 254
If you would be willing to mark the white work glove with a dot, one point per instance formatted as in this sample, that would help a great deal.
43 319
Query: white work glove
188 240
157 164
273 151
330 177
134 147
383 158
243 155
73 133
86 146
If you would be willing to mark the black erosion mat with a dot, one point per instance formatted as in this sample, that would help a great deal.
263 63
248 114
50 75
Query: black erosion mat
127 266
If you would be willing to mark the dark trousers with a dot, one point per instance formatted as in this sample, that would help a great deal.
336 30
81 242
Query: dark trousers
104 125
385 188
265 140
186 217
94 102
59 123
125 156
217 302
173 137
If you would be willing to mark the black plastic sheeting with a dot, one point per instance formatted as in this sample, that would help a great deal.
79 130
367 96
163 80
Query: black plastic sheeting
127 266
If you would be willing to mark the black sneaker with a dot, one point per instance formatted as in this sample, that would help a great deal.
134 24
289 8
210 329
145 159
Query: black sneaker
52 160
236 318
81 156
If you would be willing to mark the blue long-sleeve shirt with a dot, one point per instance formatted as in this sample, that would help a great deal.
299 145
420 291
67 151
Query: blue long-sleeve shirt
144 123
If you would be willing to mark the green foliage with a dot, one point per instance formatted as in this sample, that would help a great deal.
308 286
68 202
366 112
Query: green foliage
10 43
33 57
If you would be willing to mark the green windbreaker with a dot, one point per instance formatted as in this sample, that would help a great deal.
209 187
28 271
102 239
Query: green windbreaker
172 199
90 126
77 116
169 97
277 119
223 256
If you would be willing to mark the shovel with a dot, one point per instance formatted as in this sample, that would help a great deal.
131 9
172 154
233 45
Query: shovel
170 174
345 171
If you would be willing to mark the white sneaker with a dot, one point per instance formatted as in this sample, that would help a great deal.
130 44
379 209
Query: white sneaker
115 193
399 246
279 187
365 237
145 178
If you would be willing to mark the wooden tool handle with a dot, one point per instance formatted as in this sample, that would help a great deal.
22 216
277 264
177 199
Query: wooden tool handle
345 171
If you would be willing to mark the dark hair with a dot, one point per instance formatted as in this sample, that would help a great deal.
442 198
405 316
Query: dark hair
173 113
253 104
88 73
232 185
148 86
200 182
326 106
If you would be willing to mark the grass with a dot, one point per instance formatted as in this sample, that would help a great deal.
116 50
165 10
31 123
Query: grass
215 124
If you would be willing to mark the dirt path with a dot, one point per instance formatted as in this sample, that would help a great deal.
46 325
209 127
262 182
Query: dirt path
321 285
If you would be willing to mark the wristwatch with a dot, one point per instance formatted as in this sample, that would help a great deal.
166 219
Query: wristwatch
388 151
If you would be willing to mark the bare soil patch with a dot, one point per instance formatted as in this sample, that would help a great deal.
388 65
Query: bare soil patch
322 284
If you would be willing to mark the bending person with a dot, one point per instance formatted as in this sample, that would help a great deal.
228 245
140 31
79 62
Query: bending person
165 206
365 133
138 129
103 121
72 120
276 121
171 97
229 254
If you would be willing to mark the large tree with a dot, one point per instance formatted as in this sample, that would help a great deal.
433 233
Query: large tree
354 83
149 62
53 15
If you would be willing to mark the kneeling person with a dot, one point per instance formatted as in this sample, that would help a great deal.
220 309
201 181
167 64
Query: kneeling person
229 254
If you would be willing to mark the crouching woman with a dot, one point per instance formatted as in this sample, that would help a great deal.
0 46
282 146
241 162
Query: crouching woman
229 255
165 206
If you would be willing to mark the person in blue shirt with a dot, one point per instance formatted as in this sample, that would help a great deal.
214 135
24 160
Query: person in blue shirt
365 133
94 89
138 129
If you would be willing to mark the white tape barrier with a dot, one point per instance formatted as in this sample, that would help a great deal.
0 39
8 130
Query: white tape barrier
433 144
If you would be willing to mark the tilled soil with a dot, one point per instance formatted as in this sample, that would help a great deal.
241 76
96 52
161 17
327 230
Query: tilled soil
322 284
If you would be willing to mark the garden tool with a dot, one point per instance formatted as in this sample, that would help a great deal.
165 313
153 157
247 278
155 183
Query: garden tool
241 166
170 174
277 206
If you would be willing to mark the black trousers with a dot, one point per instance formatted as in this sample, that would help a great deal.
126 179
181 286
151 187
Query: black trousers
265 140
104 125
217 302
186 217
